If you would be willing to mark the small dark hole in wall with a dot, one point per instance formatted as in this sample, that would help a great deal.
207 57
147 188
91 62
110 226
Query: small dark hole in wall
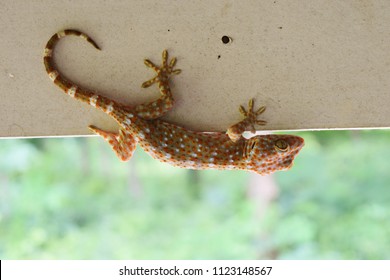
226 39
219 56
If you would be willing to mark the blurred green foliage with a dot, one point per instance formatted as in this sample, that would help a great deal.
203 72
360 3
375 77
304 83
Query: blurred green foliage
71 198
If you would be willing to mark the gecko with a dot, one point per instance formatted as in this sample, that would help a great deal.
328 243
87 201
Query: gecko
171 143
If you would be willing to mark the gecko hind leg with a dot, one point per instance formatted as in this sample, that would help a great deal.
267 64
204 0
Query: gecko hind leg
159 107
250 119
123 143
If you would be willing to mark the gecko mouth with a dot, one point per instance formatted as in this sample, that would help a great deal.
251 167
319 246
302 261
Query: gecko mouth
298 144
286 164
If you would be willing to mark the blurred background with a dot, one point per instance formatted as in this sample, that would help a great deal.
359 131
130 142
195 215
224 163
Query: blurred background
71 198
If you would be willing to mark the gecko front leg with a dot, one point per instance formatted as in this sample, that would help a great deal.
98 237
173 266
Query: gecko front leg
159 107
250 119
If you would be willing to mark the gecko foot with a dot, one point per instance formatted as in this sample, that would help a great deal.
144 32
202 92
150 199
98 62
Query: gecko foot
251 116
123 143
163 72
250 120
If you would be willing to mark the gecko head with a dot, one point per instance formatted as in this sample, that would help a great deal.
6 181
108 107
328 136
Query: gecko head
266 154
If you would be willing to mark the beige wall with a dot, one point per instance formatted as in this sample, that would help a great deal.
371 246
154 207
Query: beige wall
314 64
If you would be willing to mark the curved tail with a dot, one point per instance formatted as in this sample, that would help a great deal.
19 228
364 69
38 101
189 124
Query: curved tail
107 105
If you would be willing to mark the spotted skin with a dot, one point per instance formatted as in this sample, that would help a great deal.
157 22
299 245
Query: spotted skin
174 144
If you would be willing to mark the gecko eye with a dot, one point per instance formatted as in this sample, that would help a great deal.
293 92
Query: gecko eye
281 146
